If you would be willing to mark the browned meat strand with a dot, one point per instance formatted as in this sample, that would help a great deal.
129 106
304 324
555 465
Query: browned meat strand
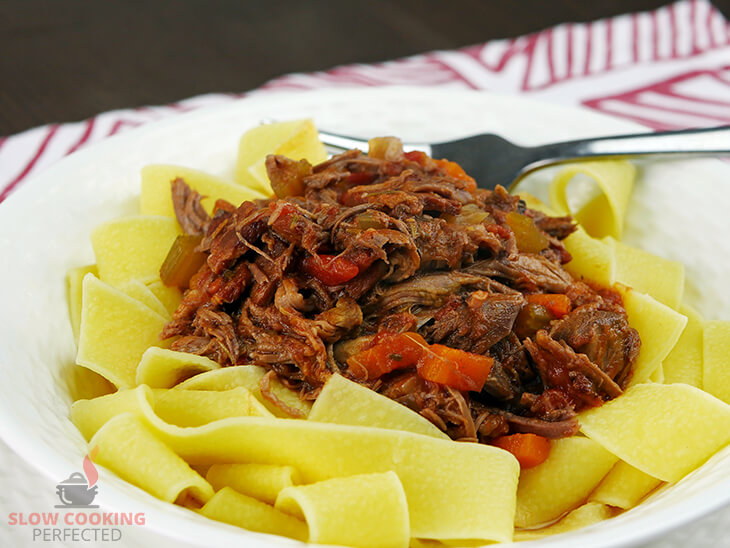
527 272
361 247
190 213
476 323
604 336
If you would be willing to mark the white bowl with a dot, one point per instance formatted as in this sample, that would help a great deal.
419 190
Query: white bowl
679 210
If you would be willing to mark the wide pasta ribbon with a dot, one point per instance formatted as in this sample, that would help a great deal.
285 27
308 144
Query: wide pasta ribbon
624 486
249 376
260 481
716 366
561 483
164 368
157 200
115 331
599 214
333 508
659 328
127 446
664 430
343 401
240 510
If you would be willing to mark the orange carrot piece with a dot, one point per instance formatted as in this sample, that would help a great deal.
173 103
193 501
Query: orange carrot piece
529 449
456 368
391 352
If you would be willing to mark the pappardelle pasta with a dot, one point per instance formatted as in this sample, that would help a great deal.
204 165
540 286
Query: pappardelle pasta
327 408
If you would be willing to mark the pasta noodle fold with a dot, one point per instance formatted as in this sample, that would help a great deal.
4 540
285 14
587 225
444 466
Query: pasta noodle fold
658 374
685 362
137 290
182 408
587 514
156 198
638 269
128 447
592 259
624 486
197 407
170 297
249 376
90 415
664 430
74 281
164 368
236 509
260 481
603 214
115 331
659 328
83 383
133 247
363 511
295 139
343 401
561 483
474 500
716 364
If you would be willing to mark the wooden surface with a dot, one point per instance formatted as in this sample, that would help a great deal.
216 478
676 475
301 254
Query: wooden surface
64 61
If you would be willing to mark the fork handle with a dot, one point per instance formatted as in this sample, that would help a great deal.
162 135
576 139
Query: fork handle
687 142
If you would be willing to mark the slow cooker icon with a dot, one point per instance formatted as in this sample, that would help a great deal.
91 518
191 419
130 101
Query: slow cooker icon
75 492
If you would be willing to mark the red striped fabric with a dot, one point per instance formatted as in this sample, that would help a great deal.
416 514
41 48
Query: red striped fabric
28 167
84 136
693 99
666 69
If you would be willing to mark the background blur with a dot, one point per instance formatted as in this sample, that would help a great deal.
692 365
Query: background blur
67 60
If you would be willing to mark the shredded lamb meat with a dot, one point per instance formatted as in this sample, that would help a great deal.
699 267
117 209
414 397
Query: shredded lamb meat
359 246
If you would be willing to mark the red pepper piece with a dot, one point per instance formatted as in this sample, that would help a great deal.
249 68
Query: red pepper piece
329 269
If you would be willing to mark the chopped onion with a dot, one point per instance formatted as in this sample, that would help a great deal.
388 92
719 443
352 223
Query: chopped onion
287 176
471 214
530 239
386 148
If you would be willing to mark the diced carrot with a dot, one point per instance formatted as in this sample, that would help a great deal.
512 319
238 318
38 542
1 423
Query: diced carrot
452 169
390 352
557 303
436 363
456 368
529 449
447 167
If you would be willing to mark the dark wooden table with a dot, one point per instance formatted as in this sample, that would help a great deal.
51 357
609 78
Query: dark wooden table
64 61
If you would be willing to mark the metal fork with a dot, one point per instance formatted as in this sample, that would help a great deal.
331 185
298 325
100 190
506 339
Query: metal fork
493 161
